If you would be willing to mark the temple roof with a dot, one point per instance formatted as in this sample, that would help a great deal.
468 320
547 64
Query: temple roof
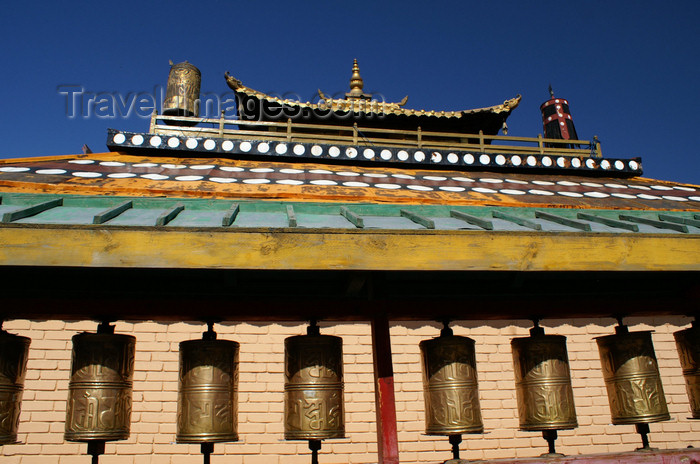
184 197
117 173
359 102
126 213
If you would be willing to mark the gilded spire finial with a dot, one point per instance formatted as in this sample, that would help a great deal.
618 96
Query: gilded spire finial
356 82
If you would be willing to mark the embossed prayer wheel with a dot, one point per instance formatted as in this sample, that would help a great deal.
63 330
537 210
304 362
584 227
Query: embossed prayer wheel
207 406
688 345
182 92
543 383
313 387
450 385
14 351
632 379
100 387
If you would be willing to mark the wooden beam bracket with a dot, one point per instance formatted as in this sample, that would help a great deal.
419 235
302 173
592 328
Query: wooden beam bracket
657 224
563 221
31 210
356 220
418 219
111 213
169 215
483 223
608 222
517 220
230 215
291 217
680 220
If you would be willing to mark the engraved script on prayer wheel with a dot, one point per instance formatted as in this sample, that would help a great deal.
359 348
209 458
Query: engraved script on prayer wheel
543 383
14 351
313 387
450 386
99 391
182 92
632 379
688 345
207 407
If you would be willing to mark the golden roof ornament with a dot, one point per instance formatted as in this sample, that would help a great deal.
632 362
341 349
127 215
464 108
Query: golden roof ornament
358 101
356 84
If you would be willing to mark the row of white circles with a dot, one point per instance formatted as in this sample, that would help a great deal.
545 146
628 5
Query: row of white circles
385 155
389 186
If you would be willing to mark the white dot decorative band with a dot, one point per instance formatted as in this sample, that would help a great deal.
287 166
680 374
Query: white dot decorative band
362 155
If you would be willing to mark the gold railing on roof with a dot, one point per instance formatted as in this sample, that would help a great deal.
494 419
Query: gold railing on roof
365 136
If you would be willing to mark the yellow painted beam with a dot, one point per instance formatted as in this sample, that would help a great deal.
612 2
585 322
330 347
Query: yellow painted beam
355 250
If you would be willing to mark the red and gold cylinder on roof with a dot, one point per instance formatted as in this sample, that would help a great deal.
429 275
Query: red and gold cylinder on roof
688 344
14 351
556 119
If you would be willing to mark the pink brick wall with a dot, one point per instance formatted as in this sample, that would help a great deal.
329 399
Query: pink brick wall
261 399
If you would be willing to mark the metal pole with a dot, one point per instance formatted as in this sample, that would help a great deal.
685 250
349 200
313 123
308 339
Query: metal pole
455 440
314 446
95 448
643 430
207 449
551 437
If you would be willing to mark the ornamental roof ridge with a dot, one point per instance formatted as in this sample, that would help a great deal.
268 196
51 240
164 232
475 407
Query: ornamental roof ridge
364 102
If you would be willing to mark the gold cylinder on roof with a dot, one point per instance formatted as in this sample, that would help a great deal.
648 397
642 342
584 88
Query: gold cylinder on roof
313 387
14 351
543 383
632 379
688 344
207 406
100 387
182 91
450 385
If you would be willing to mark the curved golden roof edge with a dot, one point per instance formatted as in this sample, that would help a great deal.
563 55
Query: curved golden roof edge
374 105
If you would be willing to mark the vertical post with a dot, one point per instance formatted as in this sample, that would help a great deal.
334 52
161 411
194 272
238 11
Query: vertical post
482 145
354 134
385 401
95 448
221 124
540 143
289 129
154 116
419 136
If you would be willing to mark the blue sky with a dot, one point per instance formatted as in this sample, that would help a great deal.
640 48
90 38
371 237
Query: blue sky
629 69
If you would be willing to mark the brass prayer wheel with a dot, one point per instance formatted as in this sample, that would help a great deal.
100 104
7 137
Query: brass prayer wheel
207 406
688 345
313 386
632 379
99 391
543 383
182 91
450 385
14 351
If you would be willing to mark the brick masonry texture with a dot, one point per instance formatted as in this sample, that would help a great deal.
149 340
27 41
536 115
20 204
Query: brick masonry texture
152 439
